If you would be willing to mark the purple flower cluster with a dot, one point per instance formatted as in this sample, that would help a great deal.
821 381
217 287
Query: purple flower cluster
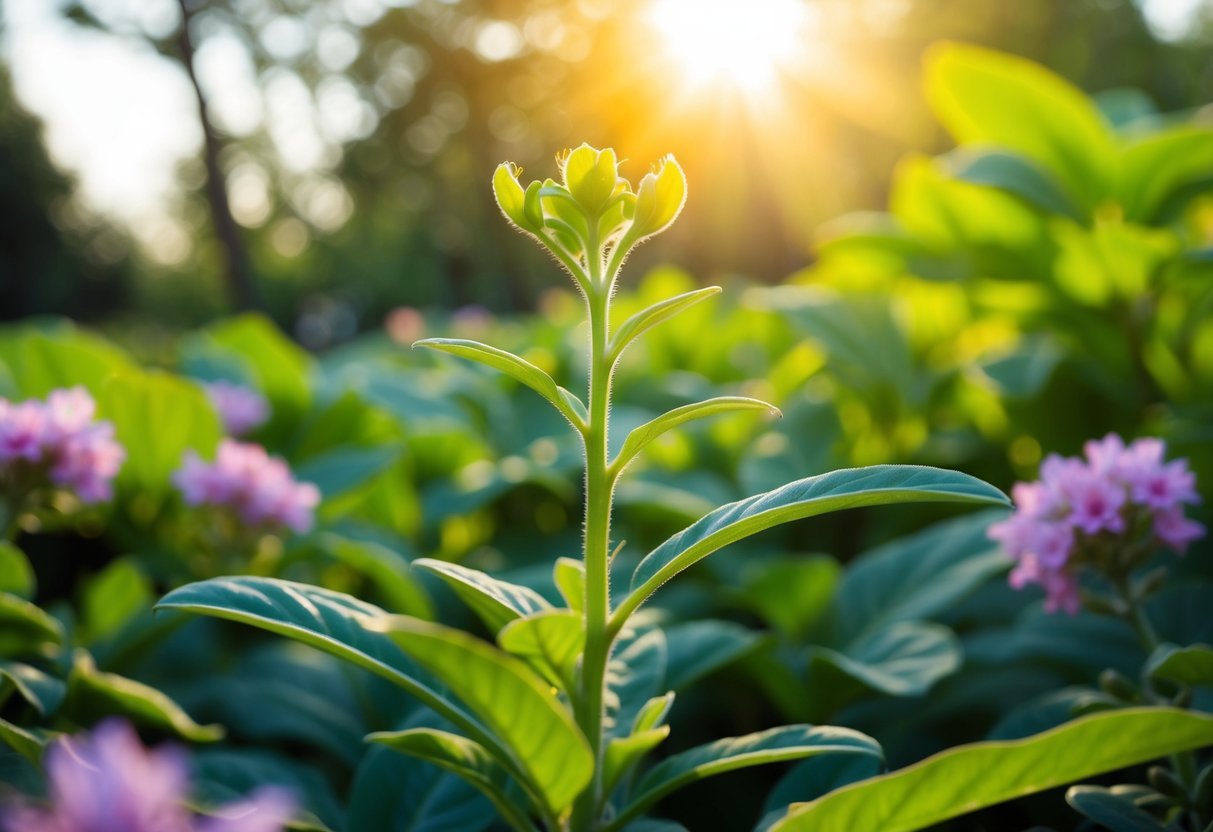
1125 499
108 782
240 408
256 487
58 441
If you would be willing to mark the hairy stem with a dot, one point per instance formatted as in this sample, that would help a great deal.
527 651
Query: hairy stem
598 487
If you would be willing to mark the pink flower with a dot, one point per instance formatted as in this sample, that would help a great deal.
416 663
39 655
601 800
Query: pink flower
21 430
256 487
108 782
1080 507
62 445
240 408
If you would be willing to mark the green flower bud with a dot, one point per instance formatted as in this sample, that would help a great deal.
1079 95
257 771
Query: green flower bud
591 176
513 200
659 199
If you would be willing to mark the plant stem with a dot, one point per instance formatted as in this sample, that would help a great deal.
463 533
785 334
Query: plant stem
598 488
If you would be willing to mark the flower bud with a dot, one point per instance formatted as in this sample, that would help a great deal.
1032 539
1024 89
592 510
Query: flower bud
591 176
513 200
659 199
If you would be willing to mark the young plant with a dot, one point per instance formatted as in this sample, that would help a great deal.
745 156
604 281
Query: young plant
547 722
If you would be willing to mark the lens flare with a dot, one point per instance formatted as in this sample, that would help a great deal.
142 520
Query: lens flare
725 42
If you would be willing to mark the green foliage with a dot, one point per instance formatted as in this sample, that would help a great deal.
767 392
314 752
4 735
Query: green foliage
971 777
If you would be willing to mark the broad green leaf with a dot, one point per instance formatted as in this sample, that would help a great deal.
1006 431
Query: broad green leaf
44 692
697 648
496 602
66 359
789 742
569 577
1113 811
326 620
16 574
516 368
1192 665
550 641
903 659
466 758
510 698
1161 163
93 693
222 776
387 570
342 469
282 370
792 593
646 319
913 578
987 97
623 753
646 433
849 488
162 416
113 597
396 794
25 628
1015 175
971 777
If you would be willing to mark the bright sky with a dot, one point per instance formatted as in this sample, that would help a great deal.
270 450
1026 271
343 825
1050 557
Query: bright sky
121 118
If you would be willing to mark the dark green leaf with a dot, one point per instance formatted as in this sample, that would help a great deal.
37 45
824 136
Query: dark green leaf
1192 665
496 602
1111 810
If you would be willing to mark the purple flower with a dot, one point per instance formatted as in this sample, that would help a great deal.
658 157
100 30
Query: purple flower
58 442
256 487
240 408
108 782
1120 497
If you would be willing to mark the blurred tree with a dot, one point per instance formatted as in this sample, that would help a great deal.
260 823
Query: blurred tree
53 257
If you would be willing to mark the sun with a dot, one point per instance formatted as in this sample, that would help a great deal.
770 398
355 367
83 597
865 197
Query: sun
745 44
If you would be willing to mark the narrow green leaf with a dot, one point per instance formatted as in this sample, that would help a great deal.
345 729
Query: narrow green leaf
1111 810
789 742
496 602
646 319
510 698
26 628
16 574
326 620
93 693
551 642
44 692
29 743
971 777
623 753
646 433
464 757
569 577
516 368
848 488
1192 665
653 714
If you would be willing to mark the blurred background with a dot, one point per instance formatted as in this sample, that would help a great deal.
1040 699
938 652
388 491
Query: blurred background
167 162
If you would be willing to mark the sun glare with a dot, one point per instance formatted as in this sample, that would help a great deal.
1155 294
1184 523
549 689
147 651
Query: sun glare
723 41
